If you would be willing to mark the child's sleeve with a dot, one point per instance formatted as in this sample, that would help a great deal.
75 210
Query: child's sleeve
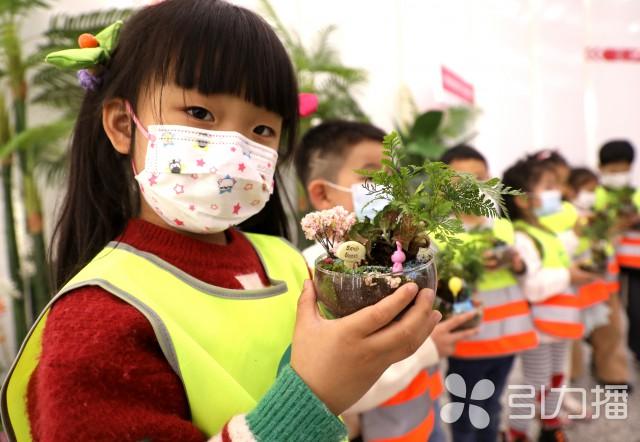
397 377
538 283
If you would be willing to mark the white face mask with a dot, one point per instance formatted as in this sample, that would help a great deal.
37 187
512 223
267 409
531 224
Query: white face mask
585 200
365 205
205 181
551 202
616 180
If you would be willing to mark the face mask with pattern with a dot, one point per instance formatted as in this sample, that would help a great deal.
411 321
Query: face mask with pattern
204 181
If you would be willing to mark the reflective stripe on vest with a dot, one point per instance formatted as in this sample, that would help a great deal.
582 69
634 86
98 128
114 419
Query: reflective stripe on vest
409 415
506 326
558 315
628 250
193 329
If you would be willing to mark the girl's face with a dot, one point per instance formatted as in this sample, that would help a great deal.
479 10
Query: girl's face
548 181
175 105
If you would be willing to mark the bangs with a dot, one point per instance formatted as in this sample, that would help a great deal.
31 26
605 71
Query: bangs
216 47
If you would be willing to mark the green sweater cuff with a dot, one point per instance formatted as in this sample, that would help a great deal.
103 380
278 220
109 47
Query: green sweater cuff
290 411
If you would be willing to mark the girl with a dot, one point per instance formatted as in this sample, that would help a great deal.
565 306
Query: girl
546 284
182 322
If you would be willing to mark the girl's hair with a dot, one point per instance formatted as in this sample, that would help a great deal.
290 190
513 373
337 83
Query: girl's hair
208 45
581 176
523 175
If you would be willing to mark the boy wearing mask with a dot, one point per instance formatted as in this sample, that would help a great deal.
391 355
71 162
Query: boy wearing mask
617 193
402 405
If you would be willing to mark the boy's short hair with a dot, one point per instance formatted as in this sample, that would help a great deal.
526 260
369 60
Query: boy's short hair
580 176
616 151
462 152
324 146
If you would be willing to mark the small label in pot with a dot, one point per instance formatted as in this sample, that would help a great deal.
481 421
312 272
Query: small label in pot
351 252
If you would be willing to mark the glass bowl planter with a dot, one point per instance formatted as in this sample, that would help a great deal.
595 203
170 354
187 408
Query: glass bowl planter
341 294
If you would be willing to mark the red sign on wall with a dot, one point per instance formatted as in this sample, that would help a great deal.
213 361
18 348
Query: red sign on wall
614 54
456 85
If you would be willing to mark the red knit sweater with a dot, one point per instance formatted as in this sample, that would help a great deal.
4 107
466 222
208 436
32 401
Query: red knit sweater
101 366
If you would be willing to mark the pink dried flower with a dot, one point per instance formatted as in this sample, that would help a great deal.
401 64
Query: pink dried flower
328 227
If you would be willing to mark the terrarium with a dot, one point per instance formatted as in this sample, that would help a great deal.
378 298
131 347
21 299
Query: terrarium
460 267
368 259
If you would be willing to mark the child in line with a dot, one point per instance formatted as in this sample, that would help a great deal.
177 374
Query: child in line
609 354
506 328
170 324
616 160
400 405
547 286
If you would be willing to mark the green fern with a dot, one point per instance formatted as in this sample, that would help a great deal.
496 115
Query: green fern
423 198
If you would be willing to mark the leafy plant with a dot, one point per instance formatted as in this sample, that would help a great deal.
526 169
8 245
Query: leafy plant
320 71
416 212
434 131
464 261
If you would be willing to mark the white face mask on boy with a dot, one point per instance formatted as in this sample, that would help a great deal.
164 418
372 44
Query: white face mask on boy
365 205
585 200
204 181
616 180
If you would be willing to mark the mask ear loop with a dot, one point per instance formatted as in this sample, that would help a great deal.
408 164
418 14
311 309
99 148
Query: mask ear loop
141 128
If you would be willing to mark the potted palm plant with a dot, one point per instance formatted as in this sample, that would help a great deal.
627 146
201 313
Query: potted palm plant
368 259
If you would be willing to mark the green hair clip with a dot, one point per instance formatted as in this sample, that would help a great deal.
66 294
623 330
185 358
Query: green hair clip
94 52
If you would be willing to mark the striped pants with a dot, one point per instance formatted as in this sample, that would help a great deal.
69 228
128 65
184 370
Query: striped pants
542 366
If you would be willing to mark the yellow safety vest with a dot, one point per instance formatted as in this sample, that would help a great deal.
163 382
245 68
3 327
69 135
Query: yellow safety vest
506 326
225 345
595 292
558 315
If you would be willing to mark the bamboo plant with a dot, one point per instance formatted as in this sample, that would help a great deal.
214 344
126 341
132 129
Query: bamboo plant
25 151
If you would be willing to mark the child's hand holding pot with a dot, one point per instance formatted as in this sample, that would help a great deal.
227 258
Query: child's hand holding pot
341 359
444 336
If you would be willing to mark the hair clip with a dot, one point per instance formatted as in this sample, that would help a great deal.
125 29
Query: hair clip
307 104
544 155
93 53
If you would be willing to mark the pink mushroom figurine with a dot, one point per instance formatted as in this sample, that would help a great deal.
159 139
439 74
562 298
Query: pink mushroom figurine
398 258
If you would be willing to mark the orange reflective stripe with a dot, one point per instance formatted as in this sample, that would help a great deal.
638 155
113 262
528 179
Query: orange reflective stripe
565 330
594 293
419 386
612 267
504 311
437 387
561 301
629 261
628 241
419 434
497 347
613 287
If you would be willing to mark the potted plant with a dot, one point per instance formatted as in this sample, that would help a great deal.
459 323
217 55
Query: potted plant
368 259
597 230
460 267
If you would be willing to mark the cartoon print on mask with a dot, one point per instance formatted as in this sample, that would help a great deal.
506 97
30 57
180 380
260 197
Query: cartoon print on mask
175 166
202 143
226 184
167 138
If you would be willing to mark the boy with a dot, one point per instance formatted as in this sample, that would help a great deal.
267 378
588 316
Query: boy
616 193
402 405
507 327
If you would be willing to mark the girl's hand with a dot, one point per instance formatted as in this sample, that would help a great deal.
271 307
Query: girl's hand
581 277
341 359
446 339
517 264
